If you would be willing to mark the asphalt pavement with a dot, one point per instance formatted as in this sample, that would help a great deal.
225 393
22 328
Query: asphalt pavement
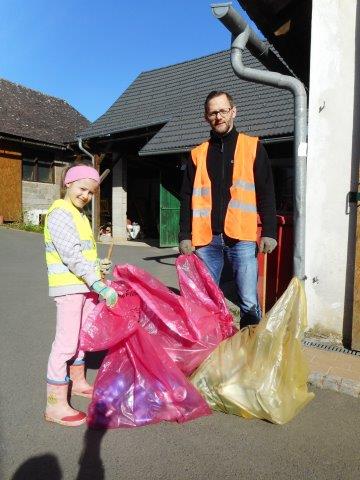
322 442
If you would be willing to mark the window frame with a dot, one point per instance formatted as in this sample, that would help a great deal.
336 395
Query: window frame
36 160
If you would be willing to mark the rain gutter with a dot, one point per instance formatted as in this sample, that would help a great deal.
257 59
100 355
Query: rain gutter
33 142
243 37
166 152
269 141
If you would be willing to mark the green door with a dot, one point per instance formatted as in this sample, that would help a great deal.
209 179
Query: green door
169 213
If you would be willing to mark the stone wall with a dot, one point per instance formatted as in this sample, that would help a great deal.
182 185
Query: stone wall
119 198
39 196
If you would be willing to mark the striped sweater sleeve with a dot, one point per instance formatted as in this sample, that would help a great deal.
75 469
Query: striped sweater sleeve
68 245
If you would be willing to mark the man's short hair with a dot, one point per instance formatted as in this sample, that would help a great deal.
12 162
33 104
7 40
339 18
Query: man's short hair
217 93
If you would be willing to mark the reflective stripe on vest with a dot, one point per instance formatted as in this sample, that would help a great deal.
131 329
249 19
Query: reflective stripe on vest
241 214
58 273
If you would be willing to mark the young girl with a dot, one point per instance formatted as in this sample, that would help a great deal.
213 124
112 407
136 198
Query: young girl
74 281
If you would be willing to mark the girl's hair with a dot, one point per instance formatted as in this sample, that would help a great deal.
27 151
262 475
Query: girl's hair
64 171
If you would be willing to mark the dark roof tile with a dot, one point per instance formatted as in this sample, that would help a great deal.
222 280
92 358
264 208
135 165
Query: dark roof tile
33 115
174 96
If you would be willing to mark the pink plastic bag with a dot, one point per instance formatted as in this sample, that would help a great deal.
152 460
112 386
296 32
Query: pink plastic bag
197 284
154 336
138 384
106 327
186 329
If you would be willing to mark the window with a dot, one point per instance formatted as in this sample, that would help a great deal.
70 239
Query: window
38 170
29 169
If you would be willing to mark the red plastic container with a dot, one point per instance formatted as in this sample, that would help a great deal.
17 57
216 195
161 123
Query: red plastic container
279 262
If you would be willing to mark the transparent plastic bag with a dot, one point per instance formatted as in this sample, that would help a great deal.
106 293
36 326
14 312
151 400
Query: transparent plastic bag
197 284
261 371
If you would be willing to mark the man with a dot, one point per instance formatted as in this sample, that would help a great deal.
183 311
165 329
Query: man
227 182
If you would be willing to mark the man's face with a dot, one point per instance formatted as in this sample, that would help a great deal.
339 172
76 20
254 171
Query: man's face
220 115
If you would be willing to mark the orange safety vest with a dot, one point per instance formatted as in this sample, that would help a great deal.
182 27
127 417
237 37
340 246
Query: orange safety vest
241 214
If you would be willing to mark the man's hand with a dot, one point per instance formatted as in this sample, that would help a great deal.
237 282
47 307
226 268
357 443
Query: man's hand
106 293
105 266
185 247
267 244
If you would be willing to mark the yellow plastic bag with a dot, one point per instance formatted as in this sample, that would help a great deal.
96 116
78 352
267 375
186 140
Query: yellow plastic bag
261 371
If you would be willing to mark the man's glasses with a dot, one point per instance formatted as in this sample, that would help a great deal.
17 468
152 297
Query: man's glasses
222 112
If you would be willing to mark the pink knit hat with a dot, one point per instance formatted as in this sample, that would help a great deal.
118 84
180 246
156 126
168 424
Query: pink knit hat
79 172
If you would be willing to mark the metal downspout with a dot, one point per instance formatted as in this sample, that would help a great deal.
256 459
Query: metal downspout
93 199
233 21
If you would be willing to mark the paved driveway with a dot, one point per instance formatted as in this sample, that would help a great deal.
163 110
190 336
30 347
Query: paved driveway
322 442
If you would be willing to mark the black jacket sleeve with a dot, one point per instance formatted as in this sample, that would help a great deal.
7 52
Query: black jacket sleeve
265 194
185 200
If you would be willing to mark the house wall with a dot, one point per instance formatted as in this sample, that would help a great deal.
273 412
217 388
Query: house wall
39 196
119 198
331 154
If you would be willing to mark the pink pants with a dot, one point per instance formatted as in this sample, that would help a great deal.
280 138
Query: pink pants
71 312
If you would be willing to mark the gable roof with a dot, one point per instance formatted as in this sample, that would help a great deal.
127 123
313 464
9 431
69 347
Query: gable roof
33 115
174 96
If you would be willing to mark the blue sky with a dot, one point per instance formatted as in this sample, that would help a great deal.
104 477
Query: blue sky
88 52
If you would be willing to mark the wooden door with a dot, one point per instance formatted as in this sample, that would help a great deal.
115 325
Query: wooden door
169 216
10 185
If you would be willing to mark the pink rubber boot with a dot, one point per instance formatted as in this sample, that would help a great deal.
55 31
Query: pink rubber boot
80 386
58 409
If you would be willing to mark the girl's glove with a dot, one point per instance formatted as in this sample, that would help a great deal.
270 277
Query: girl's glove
105 266
185 247
106 293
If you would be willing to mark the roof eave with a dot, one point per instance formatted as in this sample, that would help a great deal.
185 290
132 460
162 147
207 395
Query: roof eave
31 141
160 122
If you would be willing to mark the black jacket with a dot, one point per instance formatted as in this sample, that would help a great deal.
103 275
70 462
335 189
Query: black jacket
220 165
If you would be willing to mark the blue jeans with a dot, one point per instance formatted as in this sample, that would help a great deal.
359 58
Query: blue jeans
242 256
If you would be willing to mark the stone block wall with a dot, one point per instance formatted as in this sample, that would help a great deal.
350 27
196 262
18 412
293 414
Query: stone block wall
119 198
39 196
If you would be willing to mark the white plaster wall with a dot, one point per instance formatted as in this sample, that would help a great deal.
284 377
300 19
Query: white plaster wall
329 159
119 199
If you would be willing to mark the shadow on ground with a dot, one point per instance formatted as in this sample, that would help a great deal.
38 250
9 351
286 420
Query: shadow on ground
162 259
46 467
91 466
42 467
95 359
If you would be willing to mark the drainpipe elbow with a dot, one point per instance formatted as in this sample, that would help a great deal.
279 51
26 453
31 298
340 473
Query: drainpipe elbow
241 40
80 145
243 72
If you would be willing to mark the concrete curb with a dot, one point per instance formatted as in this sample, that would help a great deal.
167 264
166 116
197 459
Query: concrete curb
332 382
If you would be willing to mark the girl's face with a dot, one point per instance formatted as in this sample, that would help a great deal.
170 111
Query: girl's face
81 192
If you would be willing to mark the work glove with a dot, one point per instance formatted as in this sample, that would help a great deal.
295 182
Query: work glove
106 293
105 266
267 244
185 247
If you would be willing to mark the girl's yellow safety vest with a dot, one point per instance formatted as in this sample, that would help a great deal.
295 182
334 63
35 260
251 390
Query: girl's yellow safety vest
58 273
241 214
